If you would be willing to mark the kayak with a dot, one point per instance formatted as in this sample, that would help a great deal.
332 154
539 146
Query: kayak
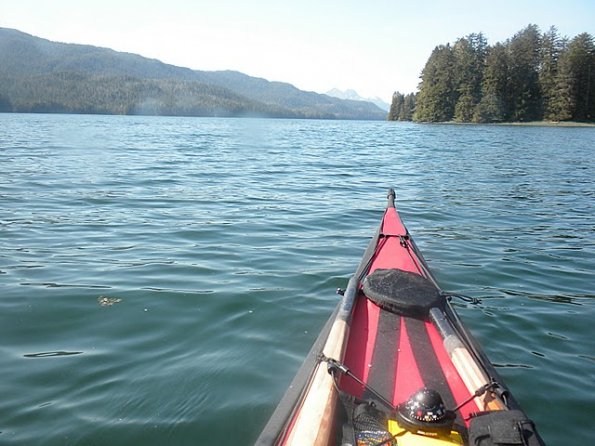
394 365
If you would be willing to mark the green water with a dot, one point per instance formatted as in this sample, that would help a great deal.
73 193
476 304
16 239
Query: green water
220 242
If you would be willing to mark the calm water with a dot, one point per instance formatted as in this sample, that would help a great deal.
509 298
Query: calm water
219 244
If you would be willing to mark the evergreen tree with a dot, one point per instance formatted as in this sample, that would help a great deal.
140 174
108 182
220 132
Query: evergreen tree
396 106
551 45
408 108
494 105
575 84
437 94
524 90
469 53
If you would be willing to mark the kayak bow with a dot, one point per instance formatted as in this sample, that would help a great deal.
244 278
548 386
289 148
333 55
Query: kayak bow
395 366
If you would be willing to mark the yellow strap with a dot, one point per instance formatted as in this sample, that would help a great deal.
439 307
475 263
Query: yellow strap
406 438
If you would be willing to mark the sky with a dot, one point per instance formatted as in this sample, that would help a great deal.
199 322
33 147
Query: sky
375 47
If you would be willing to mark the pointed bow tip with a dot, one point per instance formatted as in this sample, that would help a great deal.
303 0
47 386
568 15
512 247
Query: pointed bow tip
391 198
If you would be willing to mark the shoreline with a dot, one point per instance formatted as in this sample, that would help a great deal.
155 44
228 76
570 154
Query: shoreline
517 123
549 124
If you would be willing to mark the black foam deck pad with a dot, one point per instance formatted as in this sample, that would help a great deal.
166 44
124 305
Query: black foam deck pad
402 292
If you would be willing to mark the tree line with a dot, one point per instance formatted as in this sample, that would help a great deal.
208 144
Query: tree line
402 107
531 76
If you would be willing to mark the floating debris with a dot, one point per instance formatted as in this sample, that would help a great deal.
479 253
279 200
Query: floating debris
51 354
105 301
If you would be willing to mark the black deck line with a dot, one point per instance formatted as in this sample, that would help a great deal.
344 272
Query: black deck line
428 364
385 356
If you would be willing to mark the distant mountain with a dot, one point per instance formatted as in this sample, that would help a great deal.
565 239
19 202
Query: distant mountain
353 96
38 75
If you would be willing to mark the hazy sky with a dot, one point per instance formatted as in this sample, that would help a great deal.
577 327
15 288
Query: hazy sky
372 46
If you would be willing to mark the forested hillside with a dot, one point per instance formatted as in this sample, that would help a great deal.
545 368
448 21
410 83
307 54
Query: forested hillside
37 75
529 77
71 92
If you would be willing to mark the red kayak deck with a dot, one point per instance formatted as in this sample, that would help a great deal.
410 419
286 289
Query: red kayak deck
397 356
393 354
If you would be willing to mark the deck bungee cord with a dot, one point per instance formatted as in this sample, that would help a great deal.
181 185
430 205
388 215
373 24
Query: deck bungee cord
335 367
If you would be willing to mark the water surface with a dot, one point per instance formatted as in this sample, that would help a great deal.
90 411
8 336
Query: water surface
161 279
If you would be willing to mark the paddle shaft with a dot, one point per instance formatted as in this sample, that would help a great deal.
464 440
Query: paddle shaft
473 377
314 424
